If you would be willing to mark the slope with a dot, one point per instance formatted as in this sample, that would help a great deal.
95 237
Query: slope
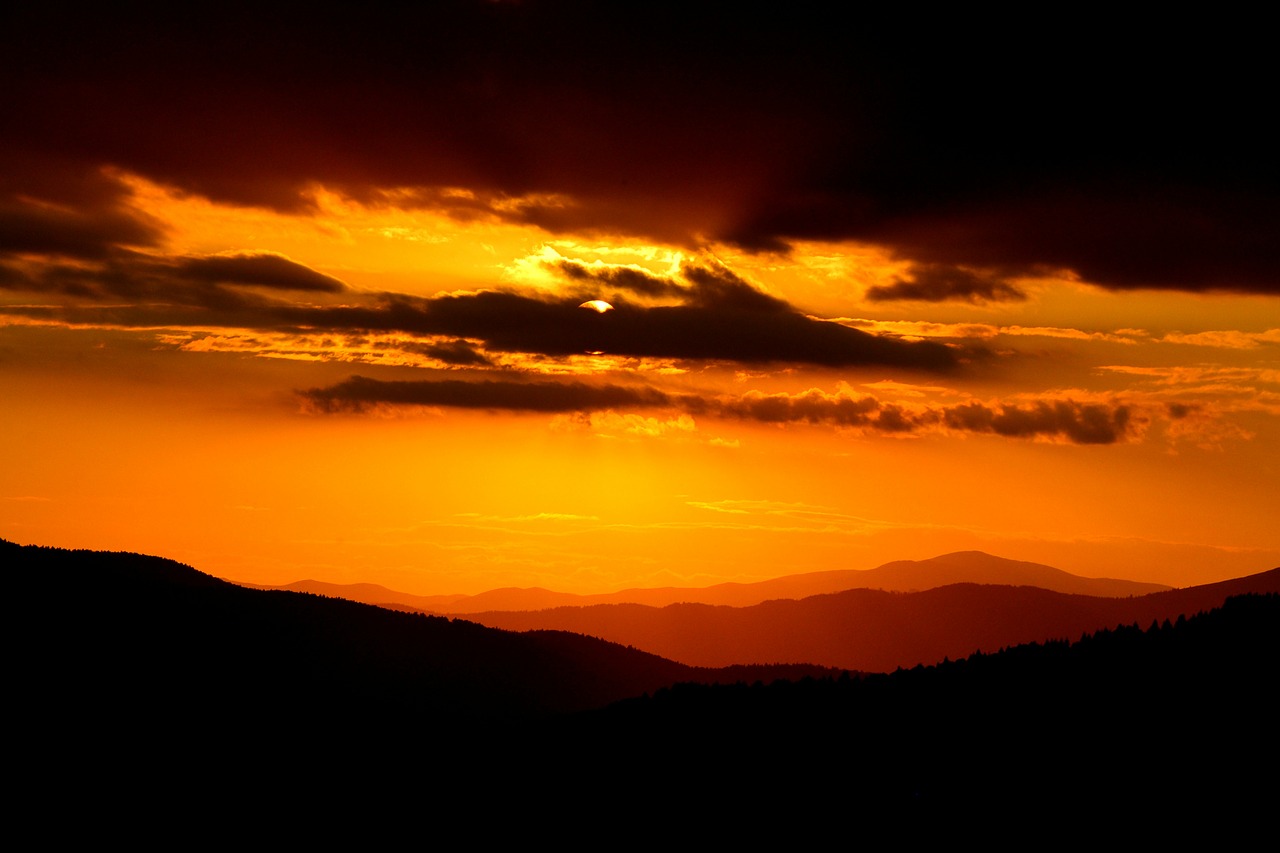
872 630
127 641
898 576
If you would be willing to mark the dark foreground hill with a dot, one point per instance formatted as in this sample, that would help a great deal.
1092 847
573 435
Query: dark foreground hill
149 701
1128 722
132 638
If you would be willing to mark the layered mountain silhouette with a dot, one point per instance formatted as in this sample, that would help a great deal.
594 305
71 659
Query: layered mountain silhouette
897 576
872 630
158 690
1154 730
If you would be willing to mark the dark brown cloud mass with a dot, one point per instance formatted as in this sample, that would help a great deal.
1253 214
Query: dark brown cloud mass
940 282
634 281
154 283
705 284
720 316
724 320
258 268
1136 155
74 213
1077 423
359 393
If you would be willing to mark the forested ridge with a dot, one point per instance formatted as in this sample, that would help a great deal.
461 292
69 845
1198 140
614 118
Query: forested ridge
131 660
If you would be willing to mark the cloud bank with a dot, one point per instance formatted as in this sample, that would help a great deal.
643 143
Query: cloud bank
1064 419
716 315
1105 151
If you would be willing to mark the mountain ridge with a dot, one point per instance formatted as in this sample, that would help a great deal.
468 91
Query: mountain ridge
873 630
165 634
146 678
897 575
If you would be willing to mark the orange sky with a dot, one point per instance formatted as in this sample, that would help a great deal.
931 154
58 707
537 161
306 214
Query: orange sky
279 317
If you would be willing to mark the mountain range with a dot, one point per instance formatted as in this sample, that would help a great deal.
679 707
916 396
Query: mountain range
871 630
898 615
159 690
897 576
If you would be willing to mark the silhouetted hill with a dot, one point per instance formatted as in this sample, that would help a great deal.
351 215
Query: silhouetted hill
167 642
1121 726
872 630
983 568
899 576
145 696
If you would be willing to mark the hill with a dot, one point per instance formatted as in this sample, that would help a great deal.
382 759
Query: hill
147 695
897 576
1113 730
872 630
167 642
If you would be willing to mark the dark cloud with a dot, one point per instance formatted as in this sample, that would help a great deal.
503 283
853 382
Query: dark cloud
1079 422
720 317
359 393
12 278
717 287
703 284
811 407
262 269
628 279
506 100
1075 422
725 322
153 282
92 229
1136 157
940 282
1121 235
458 353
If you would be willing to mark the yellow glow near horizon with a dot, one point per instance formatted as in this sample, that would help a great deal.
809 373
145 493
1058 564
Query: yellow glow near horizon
193 443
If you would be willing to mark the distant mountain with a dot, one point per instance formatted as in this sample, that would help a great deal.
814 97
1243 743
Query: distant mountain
367 593
872 630
139 687
1112 729
983 568
899 576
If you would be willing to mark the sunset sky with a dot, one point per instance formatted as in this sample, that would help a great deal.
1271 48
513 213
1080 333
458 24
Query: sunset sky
286 296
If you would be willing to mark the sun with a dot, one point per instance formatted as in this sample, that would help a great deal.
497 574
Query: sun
597 305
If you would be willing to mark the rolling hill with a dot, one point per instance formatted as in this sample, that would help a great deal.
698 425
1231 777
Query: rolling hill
141 688
897 576
872 630
165 641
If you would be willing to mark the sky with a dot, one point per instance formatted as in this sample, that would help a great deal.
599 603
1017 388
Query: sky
595 296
